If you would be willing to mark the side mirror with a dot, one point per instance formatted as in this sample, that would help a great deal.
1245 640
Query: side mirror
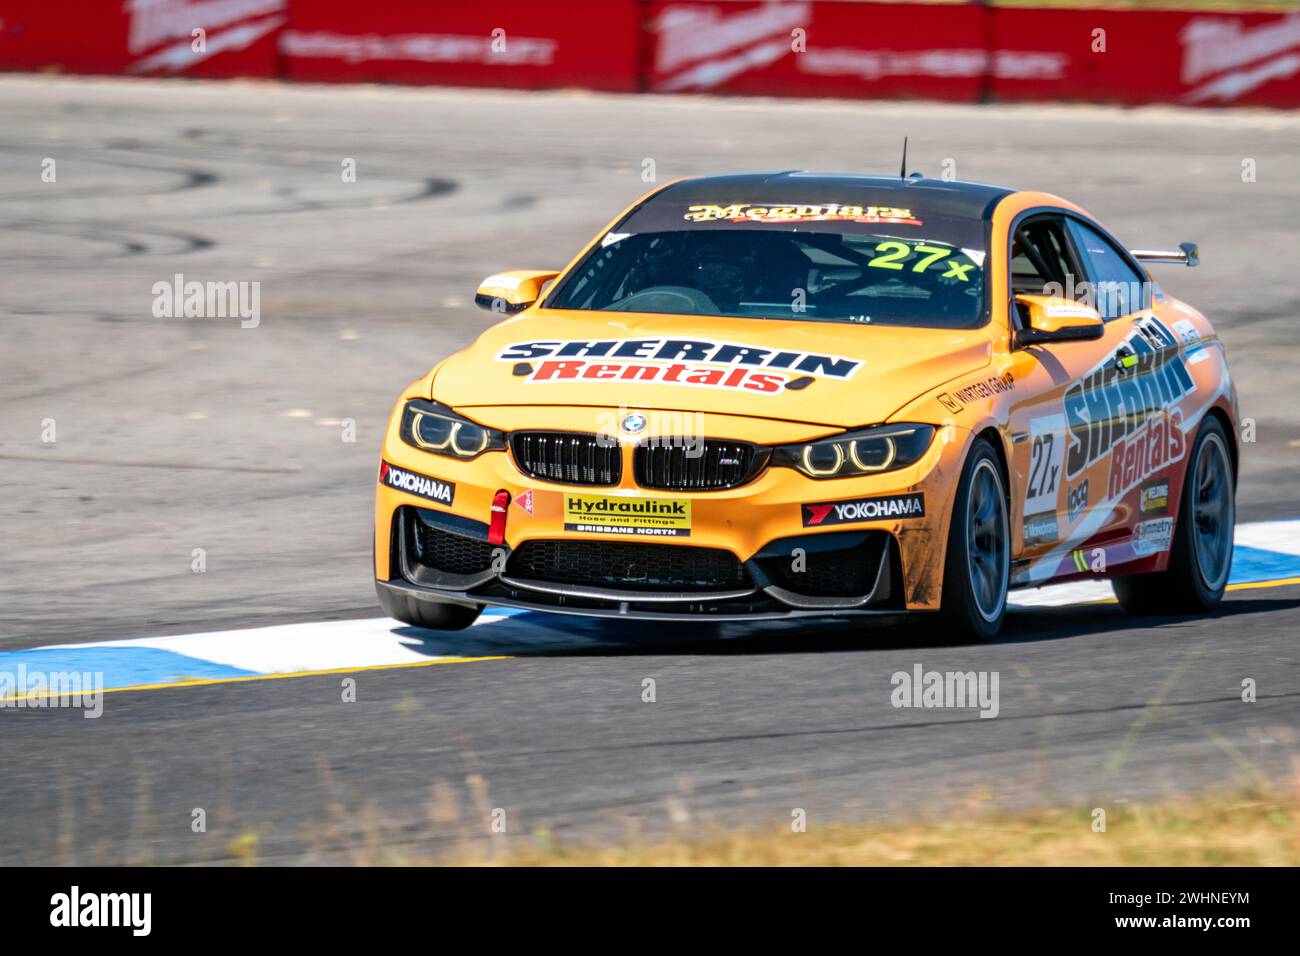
1052 318
511 292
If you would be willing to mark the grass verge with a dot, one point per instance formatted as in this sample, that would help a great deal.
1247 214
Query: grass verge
1251 829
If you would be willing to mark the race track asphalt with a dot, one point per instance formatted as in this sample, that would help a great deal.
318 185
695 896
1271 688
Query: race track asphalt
177 434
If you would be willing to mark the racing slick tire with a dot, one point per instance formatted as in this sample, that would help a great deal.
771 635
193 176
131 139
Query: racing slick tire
977 568
1200 557
432 614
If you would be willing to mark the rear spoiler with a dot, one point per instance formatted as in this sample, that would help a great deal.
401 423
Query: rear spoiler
1188 254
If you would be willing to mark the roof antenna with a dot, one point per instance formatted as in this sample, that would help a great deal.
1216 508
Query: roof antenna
902 170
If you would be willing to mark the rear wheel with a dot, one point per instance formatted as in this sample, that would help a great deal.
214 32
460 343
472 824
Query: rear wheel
422 612
1200 556
978 564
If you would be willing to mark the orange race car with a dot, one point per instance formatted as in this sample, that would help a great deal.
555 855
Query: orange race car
793 394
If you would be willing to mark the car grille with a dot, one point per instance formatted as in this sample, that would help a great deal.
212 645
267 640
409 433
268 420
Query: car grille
707 465
570 457
450 553
628 565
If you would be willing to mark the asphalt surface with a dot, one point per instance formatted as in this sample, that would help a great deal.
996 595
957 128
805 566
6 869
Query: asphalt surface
175 434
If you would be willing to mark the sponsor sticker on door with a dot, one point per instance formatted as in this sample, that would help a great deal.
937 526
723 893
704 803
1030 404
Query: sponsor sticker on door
1041 529
1153 497
1046 463
643 517
1152 537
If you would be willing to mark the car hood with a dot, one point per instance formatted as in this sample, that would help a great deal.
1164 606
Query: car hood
817 372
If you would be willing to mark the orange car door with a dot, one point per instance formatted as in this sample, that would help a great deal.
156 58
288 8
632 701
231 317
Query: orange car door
1125 428
1047 501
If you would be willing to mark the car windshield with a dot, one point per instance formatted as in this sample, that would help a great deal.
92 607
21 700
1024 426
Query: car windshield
900 272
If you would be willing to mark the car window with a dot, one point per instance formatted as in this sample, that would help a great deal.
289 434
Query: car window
1117 288
1041 262
772 271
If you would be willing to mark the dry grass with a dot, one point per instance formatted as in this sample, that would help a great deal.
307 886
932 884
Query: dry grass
1241 830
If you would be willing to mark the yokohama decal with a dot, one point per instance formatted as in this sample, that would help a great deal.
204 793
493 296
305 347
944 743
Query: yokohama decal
863 509
435 489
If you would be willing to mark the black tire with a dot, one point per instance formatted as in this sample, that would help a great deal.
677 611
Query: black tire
1187 586
974 603
432 614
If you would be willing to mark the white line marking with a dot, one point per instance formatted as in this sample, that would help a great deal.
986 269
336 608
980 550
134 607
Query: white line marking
1059 595
330 645
1280 536
294 647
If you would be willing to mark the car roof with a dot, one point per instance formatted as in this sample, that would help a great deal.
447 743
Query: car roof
939 197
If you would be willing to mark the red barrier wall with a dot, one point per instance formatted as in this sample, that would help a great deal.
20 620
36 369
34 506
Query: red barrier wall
842 48
516 43
806 48
143 37
1153 56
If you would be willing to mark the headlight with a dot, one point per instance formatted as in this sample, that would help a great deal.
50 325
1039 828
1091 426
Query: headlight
862 452
431 427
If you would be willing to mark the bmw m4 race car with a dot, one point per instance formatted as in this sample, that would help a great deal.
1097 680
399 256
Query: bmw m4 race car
791 394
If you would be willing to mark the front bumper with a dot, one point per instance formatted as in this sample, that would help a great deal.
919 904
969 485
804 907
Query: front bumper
749 552
441 557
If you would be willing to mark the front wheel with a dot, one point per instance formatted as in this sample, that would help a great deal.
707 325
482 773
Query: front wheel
1200 558
978 565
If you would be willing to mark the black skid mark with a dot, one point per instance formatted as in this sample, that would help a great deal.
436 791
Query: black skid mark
190 177
131 241
430 188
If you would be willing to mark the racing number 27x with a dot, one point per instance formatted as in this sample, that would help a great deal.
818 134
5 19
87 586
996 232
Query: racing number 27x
1042 472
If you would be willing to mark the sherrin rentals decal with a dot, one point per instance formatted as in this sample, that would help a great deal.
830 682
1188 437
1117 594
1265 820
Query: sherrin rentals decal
652 517
863 509
1126 407
699 362
435 489
1159 444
